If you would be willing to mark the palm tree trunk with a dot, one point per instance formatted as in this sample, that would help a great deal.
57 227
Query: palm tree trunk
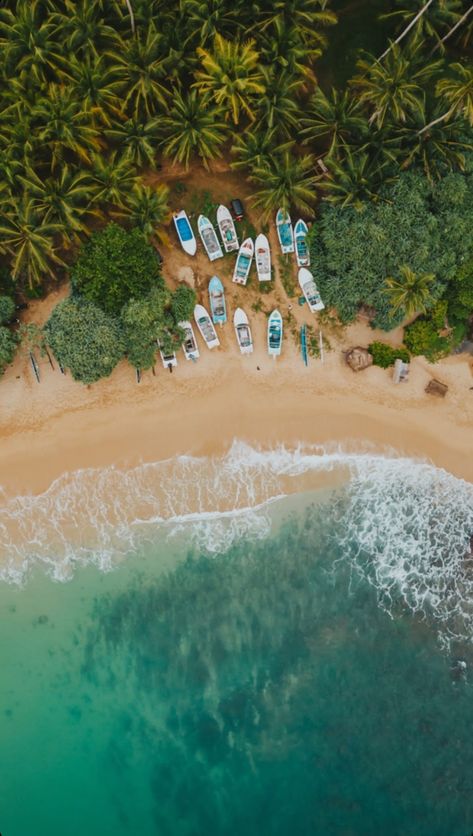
132 16
407 29
435 122
453 29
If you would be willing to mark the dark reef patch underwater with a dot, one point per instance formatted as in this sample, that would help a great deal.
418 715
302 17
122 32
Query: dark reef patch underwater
269 689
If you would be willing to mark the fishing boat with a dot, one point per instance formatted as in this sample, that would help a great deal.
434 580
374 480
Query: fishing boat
184 232
168 359
274 334
227 229
243 331
285 233
263 258
243 262
209 238
302 251
189 346
309 289
205 326
218 308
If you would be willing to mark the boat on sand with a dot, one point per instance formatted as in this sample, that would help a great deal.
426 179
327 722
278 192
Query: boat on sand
284 230
263 258
243 262
274 334
309 289
243 331
227 229
184 232
218 308
209 238
205 326
189 346
300 239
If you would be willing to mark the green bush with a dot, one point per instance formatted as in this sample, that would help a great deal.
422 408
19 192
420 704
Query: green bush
385 355
183 302
8 344
422 337
115 266
7 309
84 339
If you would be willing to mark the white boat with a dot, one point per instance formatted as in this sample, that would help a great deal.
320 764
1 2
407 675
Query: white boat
209 238
300 240
218 308
184 232
168 360
263 258
243 331
309 289
284 230
205 326
227 229
274 334
243 262
189 346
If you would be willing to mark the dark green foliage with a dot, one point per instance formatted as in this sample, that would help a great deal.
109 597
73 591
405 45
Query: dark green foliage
183 302
8 345
428 227
7 309
422 337
460 295
385 355
84 339
115 266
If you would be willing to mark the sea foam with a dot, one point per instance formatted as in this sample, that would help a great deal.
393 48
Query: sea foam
404 524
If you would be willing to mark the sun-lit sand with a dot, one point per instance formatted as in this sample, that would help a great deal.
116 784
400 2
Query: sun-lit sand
59 425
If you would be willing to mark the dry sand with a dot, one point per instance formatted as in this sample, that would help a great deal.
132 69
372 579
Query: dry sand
56 426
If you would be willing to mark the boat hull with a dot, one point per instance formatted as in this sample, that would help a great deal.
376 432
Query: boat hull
243 262
300 242
218 308
227 230
205 326
189 346
263 258
243 332
184 232
310 291
209 238
275 334
285 232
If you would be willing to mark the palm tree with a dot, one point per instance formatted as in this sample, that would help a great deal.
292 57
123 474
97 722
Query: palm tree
353 179
427 19
149 210
60 200
438 150
82 29
97 86
252 147
208 18
283 47
193 126
278 109
457 92
29 240
394 89
113 179
335 116
308 17
411 292
142 62
231 76
137 140
284 180
61 126
28 43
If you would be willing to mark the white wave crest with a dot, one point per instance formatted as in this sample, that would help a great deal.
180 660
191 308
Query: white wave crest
406 524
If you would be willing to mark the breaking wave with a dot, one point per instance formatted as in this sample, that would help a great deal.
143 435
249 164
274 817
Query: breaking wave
405 525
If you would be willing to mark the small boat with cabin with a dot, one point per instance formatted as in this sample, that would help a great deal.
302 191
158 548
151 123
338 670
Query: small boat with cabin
218 308
227 229
206 327
274 334
184 232
263 258
300 239
243 331
209 238
168 358
309 289
284 230
243 262
189 346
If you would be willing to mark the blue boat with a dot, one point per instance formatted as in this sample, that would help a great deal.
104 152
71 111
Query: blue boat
284 230
300 237
218 308
184 232
274 334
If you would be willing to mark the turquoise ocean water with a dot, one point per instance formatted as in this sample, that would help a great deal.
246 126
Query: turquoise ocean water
181 655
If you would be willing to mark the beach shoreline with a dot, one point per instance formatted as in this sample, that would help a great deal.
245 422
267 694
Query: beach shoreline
60 426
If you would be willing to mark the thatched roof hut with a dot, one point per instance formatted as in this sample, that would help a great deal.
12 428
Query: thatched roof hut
435 387
358 358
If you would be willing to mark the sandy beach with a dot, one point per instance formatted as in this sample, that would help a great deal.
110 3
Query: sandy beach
60 426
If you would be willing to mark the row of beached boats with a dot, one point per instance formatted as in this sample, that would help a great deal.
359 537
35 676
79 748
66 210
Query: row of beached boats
292 239
206 327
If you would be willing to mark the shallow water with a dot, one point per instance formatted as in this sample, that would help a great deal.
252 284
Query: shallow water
301 680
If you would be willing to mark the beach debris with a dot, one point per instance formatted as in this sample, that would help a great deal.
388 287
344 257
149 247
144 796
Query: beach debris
435 387
358 358
186 276
401 371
